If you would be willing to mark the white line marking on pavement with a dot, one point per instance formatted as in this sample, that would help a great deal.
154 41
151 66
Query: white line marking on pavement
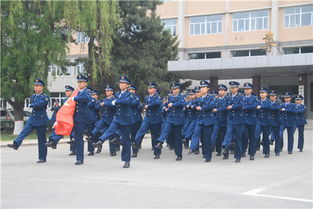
254 192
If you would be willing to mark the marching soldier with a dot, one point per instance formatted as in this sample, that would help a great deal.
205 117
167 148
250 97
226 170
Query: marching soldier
93 109
264 121
55 108
174 121
38 120
152 120
80 117
108 112
136 109
220 111
288 120
250 119
204 123
235 126
122 121
300 110
190 116
275 121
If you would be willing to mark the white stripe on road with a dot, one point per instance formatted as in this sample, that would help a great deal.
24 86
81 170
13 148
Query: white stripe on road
255 192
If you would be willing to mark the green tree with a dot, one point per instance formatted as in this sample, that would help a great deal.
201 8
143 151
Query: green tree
32 37
142 47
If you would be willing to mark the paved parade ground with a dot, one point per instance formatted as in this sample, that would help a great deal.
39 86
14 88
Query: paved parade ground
277 182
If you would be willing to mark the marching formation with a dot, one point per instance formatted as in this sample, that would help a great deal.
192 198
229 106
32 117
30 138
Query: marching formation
225 122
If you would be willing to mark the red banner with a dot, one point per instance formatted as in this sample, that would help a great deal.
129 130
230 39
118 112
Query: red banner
64 119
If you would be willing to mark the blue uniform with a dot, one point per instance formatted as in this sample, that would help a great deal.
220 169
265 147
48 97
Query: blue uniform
288 122
93 109
276 124
174 123
80 121
264 124
136 108
219 130
300 110
152 121
204 126
235 125
55 109
250 119
39 121
190 114
122 122
108 111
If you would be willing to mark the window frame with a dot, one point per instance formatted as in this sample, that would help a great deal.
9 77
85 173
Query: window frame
295 14
203 26
247 21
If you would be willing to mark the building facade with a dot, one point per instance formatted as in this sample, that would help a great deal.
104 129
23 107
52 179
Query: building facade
226 39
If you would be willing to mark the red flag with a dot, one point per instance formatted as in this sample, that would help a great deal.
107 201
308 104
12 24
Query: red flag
64 119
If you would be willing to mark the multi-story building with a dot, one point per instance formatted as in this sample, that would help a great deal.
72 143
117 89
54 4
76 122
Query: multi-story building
225 39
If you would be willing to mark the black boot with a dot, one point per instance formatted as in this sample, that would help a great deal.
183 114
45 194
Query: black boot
126 165
13 146
98 144
51 144
116 141
159 145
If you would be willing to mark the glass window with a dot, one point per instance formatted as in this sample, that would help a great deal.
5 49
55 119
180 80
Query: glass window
82 38
299 16
196 55
258 52
170 24
307 49
250 21
240 53
291 50
203 25
212 55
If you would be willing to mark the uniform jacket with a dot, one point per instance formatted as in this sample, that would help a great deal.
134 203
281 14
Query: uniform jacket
300 111
235 115
81 111
136 108
289 115
264 113
108 110
124 114
93 111
205 116
275 113
221 115
249 109
153 112
39 115
175 114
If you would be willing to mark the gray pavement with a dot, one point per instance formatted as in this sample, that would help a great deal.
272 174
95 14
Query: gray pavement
277 182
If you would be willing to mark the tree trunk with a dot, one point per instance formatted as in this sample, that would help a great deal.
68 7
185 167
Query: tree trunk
18 108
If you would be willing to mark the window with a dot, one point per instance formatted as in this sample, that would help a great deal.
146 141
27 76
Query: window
298 50
196 56
80 68
240 53
291 50
212 55
82 38
203 25
246 53
250 21
257 52
298 16
55 70
207 55
170 24
307 49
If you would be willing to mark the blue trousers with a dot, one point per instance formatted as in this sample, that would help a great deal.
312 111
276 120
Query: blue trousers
190 130
124 135
249 139
155 130
290 132
99 130
134 130
188 122
175 133
275 135
300 136
234 131
79 129
265 131
203 133
41 135
90 127
217 137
